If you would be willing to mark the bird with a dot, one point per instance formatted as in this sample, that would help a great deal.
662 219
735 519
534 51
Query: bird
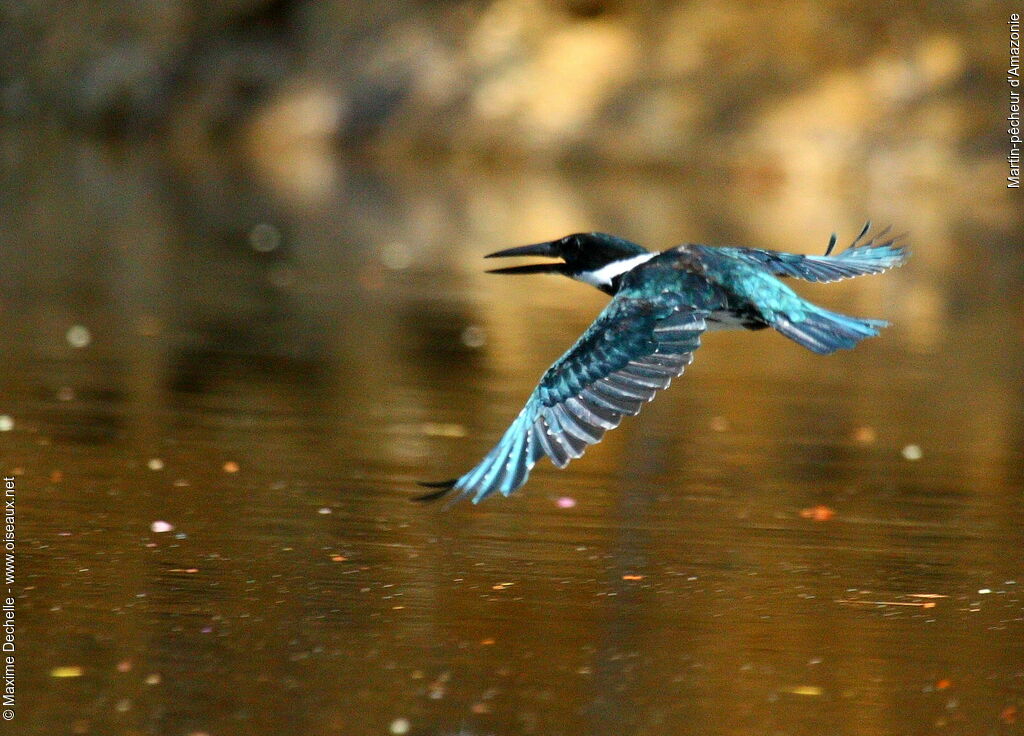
662 303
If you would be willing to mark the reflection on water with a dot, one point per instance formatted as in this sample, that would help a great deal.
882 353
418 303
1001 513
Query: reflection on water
269 375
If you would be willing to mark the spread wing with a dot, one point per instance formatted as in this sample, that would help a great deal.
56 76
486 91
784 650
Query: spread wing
878 253
632 350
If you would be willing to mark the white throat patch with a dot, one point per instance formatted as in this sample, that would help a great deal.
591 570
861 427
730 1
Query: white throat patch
603 276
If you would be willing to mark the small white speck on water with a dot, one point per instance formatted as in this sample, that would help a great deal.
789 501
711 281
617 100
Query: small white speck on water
264 237
912 452
323 510
399 726
474 337
155 463
160 527
78 336
6 423
984 591
65 393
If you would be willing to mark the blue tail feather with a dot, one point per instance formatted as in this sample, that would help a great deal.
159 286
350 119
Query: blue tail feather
825 332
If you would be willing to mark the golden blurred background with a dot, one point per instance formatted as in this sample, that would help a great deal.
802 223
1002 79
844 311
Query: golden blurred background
243 309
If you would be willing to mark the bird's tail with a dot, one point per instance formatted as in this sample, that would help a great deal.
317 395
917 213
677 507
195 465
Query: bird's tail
825 332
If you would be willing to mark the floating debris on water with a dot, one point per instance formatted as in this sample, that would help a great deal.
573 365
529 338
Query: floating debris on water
6 423
70 670
865 435
565 502
160 527
912 452
78 336
865 602
399 726
805 690
231 467
155 463
818 513
437 689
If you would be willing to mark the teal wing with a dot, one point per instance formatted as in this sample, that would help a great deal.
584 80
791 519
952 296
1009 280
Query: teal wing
876 254
632 350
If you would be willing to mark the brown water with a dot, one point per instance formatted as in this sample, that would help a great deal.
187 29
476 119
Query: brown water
762 551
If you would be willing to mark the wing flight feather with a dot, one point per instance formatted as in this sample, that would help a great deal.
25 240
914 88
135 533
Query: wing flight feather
877 254
633 350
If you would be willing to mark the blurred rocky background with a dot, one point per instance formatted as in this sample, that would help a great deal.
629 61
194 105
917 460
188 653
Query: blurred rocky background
797 94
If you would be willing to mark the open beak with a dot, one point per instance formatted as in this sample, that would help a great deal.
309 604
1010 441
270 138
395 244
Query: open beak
548 249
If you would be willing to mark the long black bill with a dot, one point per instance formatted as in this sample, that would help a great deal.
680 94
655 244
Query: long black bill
531 268
548 249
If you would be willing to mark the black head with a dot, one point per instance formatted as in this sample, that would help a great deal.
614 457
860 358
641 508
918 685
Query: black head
583 255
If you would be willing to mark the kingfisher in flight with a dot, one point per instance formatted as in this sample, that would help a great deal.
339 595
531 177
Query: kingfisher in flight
661 305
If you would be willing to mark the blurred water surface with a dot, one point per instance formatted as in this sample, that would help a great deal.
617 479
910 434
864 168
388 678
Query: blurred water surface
268 369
